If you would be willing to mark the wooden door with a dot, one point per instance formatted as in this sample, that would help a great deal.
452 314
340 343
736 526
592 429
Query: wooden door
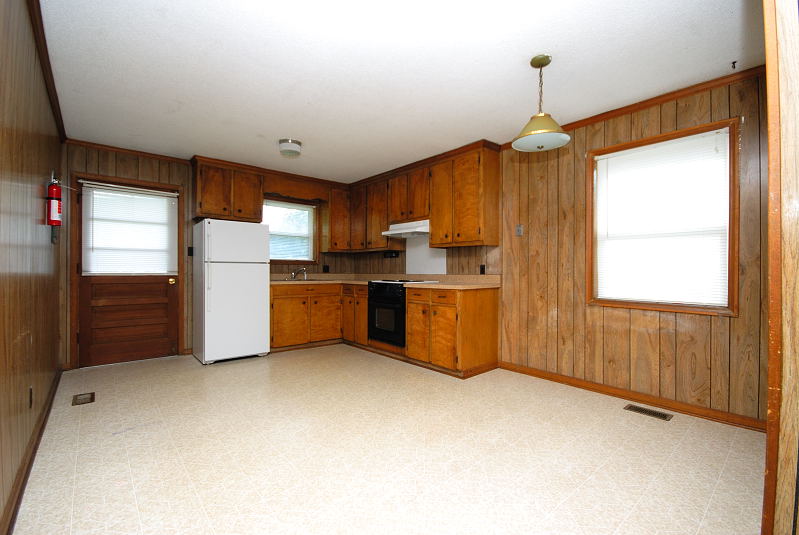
417 331
441 203
467 204
325 317
358 217
126 318
361 319
248 196
348 318
398 199
443 336
290 321
419 193
376 215
213 191
339 220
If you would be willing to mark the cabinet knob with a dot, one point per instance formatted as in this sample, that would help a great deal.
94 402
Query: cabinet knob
446 235
410 212
239 210
458 235
402 213
224 208
303 302
424 312
316 302
435 313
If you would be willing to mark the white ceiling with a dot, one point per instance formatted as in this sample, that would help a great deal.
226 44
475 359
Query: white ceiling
368 86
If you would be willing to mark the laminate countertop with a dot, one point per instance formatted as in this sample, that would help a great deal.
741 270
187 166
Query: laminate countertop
431 285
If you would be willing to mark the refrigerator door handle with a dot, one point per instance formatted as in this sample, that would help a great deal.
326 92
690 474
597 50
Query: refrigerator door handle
208 242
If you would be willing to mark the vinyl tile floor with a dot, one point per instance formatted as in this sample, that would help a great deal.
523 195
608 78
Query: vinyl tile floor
340 440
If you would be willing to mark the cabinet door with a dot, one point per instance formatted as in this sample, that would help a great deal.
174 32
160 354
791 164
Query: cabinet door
417 331
339 220
348 318
290 321
398 199
361 320
376 215
419 194
441 203
443 335
358 218
213 191
248 196
467 206
325 317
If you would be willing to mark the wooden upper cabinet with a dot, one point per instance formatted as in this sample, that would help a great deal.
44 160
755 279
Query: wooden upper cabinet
248 196
419 193
358 217
467 220
398 199
376 215
339 220
212 191
227 192
441 203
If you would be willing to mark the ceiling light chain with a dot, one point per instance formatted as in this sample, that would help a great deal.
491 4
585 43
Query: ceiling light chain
542 132
540 89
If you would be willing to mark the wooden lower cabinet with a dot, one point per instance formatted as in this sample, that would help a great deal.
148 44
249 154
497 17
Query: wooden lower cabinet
325 317
290 321
348 317
304 313
361 315
453 329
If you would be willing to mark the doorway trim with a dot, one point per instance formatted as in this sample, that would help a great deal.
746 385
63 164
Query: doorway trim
75 227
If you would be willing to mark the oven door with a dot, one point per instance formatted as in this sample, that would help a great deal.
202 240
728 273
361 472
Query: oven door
387 322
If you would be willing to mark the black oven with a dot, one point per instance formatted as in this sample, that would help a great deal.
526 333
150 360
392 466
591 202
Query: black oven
387 312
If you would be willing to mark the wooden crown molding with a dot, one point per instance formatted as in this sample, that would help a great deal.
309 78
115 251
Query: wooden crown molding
37 25
754 72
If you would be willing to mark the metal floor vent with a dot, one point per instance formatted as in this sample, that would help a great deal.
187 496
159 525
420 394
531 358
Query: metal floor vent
83 399
649 412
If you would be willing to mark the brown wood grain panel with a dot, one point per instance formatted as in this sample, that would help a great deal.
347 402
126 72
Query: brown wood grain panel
668 117
616 350
579 141
745 329
523 250
668 355
693 359
594 317
107 163
720 363
398 198
645 351
443 330
537 231
512 262
764 257
693 110
92 161
127 165
552 261
565 248
419 193
149 169
418 331
325 315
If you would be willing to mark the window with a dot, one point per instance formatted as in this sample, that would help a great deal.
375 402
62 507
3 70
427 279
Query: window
291 230
663 222
128 231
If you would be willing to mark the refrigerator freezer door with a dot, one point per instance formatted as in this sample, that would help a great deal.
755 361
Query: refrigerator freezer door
236 311
235 241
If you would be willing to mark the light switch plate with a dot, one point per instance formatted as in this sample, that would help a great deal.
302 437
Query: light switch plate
520 230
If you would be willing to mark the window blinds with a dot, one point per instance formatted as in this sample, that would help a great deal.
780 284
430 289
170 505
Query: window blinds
662 221
290 230
128 231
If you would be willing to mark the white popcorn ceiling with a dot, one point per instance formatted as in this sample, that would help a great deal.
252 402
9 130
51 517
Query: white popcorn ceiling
369 86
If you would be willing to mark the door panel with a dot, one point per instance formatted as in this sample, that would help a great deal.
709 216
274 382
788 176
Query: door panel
232 241
213 191
248 195
348 318
398 199
361 320
418 331
443 329
339 220
419 194
358 215
290 321
441 203
127 318
466 207
325 317
376 215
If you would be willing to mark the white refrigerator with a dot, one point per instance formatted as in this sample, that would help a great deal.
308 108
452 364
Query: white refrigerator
231 290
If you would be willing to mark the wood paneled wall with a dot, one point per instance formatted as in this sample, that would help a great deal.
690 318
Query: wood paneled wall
113 162
710 362
29 149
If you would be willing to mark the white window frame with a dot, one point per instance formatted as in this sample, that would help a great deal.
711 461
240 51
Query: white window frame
731 309
314 230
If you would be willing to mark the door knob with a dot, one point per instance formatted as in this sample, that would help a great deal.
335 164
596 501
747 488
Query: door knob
172 280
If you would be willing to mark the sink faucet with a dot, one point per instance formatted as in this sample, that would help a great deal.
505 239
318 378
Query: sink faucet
293 275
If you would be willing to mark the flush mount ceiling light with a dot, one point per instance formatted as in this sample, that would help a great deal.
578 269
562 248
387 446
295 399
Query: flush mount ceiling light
290 148
542 132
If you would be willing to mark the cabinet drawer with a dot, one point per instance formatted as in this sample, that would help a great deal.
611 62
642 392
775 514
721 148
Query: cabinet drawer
362 291
449 297
418 294
348 289
306 289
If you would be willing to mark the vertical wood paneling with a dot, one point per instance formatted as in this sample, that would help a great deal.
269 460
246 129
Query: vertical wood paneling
764 267
566 260
511 261
745 329
693 359
684 357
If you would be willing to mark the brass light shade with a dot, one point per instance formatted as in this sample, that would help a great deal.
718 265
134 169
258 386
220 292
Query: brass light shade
542 132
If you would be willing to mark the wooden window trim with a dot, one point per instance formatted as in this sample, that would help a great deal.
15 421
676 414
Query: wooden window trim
316 236
733 252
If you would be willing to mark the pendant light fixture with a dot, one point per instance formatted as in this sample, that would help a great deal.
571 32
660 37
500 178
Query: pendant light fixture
542 132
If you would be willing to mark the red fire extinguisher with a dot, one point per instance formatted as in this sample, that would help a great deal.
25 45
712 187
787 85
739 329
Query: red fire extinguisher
54 202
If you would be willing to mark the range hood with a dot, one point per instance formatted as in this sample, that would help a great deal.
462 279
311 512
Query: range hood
408 230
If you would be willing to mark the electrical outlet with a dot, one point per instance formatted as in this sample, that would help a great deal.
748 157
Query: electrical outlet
520 230
325 268
482 269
